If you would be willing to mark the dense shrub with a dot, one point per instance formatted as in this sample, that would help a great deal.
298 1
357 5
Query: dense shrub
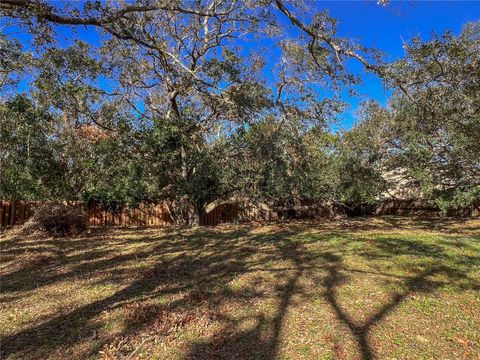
57 219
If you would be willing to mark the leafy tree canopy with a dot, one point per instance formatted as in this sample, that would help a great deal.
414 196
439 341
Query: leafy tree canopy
171 104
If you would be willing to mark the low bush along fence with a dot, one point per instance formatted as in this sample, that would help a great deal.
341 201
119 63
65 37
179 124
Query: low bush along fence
18 212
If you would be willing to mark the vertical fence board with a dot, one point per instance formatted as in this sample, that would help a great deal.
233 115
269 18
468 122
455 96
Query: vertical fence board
21 213
1 213
12 212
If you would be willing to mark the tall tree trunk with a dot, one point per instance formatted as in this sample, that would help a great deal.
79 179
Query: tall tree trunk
192 213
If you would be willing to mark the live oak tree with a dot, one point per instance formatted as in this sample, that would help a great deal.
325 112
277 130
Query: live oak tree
436 123
186 63
196 101
291 165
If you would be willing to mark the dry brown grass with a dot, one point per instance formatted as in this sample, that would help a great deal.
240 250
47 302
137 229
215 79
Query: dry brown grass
346 289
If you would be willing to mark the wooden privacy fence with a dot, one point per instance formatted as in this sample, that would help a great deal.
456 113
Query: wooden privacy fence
18 212
417 207
221 214
153 215
143 215
15 212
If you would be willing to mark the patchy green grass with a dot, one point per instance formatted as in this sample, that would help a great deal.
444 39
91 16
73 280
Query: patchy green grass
389 288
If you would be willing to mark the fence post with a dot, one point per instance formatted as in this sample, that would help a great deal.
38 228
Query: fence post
12 217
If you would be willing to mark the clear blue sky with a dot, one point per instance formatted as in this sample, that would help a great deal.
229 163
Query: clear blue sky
382 27
386 27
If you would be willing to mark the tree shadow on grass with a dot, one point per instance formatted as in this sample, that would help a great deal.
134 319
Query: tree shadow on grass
361 330
262 340
196 268
456 225
256 343
72 258
188 268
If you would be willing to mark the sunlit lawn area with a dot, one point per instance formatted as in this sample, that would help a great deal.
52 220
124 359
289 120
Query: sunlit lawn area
387 288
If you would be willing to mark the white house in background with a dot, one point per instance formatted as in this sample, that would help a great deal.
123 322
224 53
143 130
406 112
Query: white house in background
401 185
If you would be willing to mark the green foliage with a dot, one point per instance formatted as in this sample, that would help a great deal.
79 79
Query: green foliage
11 62
27 162
436 121
357 163
169 106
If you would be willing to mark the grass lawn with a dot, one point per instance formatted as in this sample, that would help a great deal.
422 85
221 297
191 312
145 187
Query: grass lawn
386 288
